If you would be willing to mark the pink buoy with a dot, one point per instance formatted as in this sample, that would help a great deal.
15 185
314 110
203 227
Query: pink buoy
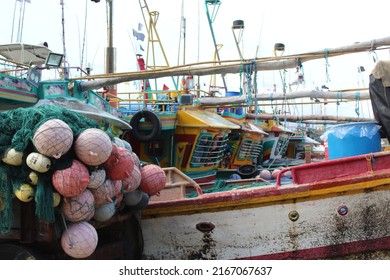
93 146
53 138
265 174
97 178
79 240
153 179
71 181
275 173
117 187
104 193
120 163
79 208
136 160
133 181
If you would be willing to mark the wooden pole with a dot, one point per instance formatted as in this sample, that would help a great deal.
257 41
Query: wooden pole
233 66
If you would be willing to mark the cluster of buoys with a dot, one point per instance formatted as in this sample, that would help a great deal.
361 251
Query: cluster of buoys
103 178
273 174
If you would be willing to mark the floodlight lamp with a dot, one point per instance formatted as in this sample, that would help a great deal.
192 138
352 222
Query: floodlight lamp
54 59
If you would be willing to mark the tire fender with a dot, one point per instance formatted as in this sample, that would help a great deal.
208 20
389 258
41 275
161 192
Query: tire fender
135 124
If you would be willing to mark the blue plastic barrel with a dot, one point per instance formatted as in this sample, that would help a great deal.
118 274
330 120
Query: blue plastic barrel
239 110
353 139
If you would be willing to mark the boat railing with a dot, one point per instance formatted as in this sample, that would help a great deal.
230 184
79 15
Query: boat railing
176 186
12 82
351 167
131 102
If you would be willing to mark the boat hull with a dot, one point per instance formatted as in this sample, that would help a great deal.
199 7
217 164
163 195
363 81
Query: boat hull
325 219
266 232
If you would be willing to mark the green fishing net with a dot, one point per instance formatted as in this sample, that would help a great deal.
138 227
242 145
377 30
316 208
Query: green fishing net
17 130
221 185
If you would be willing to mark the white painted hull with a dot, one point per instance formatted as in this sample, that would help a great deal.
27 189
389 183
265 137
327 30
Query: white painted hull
266 230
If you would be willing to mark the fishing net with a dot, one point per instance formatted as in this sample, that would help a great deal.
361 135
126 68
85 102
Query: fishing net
17 130
221 185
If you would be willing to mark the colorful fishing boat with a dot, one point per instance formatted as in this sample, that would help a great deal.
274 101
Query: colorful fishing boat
331 209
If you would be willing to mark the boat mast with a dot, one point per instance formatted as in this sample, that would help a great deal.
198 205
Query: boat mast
64 68
150 20
216 4
110 50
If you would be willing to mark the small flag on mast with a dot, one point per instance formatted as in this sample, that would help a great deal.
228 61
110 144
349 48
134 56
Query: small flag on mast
140 36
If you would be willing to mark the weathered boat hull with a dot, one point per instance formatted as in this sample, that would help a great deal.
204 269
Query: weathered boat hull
329 217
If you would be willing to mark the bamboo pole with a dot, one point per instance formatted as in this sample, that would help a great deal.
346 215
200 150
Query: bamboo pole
316 94
232 66
305 118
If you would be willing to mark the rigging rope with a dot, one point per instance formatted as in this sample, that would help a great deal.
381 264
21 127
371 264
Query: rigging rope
357 104
85 31
338 95
326 55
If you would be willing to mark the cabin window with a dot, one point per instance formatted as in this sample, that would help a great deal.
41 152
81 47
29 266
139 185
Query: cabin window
245 149
217 149
281 145
201 149
208 150
256 150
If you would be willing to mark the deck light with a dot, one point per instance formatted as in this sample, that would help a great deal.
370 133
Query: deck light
54 59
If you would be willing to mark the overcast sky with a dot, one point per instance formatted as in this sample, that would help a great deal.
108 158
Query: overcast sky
301 25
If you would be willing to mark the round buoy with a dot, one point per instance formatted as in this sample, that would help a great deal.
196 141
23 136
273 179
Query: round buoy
133 198
25 193
38 162
79 208
93 146
79 240
53 138
144 201
104 212
97 178
136 160
265 174
104 193
56 199
120 164
133 181
153 179
12 157
33 178
71 181
275 173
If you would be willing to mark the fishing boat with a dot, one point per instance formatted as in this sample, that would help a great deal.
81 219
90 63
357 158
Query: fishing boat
332 209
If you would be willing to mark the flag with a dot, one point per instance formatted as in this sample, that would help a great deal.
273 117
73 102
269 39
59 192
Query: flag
165 87
139 26
140 36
